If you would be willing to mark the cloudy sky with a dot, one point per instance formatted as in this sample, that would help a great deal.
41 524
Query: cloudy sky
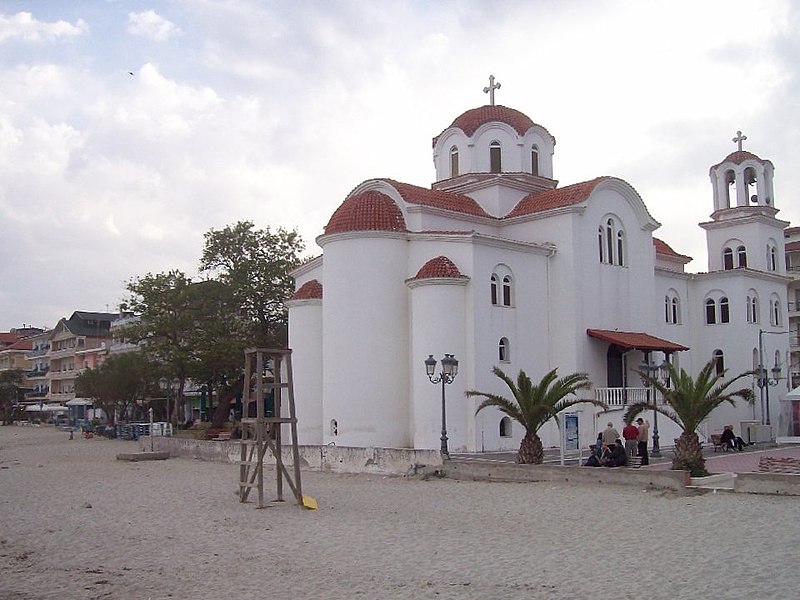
128 128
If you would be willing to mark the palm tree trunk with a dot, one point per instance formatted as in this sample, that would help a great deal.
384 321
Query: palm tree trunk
530 451
688 455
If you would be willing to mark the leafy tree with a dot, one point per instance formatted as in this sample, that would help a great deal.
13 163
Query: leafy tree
255 263
534 405
9 394
120 385
688 403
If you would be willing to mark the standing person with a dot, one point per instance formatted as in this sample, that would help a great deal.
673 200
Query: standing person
631 435
610 435
644 431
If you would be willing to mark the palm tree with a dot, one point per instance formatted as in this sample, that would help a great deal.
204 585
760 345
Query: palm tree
535 405
688 403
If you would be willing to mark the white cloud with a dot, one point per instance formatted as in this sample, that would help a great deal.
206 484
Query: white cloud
23 26
151 25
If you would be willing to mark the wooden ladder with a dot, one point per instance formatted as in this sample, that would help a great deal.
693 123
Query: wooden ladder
263 432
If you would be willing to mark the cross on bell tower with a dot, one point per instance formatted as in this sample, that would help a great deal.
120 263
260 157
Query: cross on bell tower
492 87
739 139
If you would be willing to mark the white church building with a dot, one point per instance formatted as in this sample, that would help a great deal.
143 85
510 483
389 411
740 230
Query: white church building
499 266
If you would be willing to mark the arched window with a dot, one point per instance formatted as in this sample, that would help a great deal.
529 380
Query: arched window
495 157
727 259
672 308
503 354
730 181
454 161
507 290
724 311
711 312
741 256
494 289
775 312
719 362
620 248
752 308
610 241
601 246
505 427
772 257
749 182
535 160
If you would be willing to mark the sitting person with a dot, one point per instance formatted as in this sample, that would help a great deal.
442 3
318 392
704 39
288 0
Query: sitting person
600 454
730 440
617 456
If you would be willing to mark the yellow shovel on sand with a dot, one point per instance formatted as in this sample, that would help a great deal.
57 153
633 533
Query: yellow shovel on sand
309 502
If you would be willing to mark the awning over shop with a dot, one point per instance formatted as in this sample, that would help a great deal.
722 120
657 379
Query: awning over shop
46 408
80 402
633 340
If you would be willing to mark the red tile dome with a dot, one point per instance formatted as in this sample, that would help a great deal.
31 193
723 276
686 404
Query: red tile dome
308 291
470 121
441 266
738 157
369 211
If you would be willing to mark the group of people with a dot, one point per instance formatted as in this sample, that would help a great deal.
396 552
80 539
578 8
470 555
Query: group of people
609 450
730 440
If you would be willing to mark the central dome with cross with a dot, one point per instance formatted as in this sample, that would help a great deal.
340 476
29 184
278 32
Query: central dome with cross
493 142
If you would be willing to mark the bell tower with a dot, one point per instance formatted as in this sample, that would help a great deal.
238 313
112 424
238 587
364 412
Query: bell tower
744 231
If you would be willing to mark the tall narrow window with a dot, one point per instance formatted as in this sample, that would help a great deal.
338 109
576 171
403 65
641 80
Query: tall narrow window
494 289
727 259
724 311
730 180
535 161
502 350
667 312
676 311
610 241
495 161
454 161
711 312
620 249
772 258
506 291
754 309
601 245
741 255
719 360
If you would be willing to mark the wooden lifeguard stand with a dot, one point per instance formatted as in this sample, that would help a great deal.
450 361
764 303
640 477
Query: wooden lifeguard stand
264 432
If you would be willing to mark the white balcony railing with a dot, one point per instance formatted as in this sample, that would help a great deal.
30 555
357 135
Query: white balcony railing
616 397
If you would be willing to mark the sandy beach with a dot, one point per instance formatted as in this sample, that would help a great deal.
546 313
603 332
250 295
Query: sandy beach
77 523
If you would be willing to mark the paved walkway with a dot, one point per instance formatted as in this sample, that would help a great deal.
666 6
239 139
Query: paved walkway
716 462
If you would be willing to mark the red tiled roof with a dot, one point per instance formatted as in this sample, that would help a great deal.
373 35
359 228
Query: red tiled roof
8 337
793 246
21 345
470 121
309 290
441 266
414 194
369 211
663 248
548 199
738 157
635 340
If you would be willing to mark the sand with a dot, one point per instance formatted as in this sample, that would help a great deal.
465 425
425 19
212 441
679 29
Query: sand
77 523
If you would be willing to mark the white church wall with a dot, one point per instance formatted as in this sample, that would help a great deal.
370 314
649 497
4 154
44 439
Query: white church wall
438 314
365 331
305 338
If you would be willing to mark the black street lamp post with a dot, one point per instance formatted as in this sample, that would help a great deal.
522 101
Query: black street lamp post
446 376
763 381
658 373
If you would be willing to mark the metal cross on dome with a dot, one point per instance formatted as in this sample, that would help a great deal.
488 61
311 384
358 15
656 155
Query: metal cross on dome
492 87
739 139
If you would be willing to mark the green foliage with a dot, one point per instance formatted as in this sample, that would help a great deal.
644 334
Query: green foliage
533 405
688 402
10 395
255 264
119 384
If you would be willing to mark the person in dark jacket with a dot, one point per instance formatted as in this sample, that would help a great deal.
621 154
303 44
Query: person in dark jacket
617 456
730 440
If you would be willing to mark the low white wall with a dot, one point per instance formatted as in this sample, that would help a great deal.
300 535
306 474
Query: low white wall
336 459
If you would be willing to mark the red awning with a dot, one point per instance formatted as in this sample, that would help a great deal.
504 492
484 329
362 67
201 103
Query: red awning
634 340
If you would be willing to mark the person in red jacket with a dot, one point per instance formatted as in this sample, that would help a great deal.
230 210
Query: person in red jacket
631 435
